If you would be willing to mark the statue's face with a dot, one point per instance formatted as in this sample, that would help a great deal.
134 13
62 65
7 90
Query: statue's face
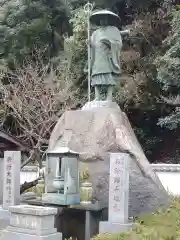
104 22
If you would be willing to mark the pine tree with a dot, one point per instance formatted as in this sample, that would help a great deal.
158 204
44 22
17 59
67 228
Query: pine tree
168 74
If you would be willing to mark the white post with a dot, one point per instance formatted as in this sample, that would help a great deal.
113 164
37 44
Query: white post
1 179
118 194
119 188
11 185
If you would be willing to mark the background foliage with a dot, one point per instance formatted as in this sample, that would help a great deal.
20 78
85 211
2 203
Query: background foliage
168 64
28 25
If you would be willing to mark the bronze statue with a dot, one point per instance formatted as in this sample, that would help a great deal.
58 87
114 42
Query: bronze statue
105 50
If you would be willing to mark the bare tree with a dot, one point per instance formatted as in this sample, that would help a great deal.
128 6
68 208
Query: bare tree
35 98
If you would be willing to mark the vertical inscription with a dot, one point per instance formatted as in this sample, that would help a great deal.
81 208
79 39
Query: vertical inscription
118 187
7 194
11 186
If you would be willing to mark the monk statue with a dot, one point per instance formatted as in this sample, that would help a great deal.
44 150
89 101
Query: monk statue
105 49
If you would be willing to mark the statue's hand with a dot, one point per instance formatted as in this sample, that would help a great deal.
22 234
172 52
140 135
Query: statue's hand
106 42
86 68
88 42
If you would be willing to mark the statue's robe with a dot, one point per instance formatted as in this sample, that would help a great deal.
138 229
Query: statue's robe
106 44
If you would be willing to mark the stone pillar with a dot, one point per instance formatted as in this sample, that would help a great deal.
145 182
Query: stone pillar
31 223
118 195
11 184
1 179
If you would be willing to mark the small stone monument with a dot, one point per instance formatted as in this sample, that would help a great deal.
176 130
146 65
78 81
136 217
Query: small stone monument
1 180
118 194
11 184
31 223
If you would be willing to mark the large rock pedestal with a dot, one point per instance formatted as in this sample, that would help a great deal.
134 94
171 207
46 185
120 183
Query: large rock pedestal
94 133
31 223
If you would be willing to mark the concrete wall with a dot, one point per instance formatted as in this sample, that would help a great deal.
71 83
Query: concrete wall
28 174
169 175
170 181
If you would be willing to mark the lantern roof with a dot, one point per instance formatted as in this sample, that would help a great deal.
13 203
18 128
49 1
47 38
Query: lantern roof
62 151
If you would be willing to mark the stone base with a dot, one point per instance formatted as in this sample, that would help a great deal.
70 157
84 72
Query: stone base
9 235
100 104
109 227
27 196
31 223
4 218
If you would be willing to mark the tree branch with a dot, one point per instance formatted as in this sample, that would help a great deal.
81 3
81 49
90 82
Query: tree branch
28 185
172 101
35 98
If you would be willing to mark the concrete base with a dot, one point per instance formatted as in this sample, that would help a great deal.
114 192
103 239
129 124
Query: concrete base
31 223
8 235
109 227
4 218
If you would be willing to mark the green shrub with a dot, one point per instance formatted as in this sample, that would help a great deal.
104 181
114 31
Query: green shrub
163 224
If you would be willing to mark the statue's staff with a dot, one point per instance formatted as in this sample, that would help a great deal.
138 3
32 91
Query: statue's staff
88 9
